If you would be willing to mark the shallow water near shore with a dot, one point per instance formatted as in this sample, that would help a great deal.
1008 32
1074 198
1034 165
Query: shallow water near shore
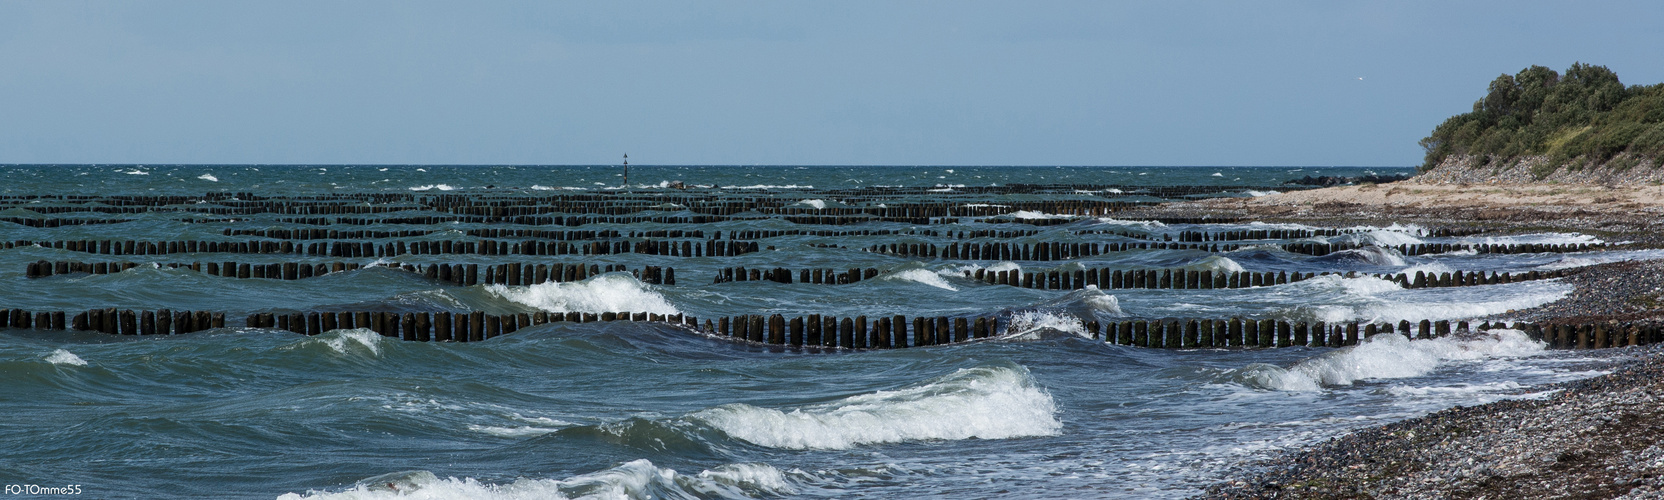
609 410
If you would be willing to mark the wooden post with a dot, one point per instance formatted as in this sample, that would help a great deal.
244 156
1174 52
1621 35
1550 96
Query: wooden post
442 327
862 334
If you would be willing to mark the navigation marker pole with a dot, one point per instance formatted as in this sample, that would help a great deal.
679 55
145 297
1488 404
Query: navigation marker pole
626 172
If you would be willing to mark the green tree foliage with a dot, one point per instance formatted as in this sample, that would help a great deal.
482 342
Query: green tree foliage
1585 115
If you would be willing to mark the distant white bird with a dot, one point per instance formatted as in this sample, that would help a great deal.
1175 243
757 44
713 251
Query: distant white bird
1360 78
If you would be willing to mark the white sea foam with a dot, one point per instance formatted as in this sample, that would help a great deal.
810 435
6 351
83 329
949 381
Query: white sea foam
960 270
1458 390
1218 174
770 186
1435 267
1257 194
1215 263
1390 356
136 172
1030 214
537 426
1004 265
66 358
441 187
989 402
611 292
1031 324
1588 259
815 204
1533 238
1102 302
1365 298
1124 222
208 177
921 276
1372 255
511 432
345 342
1382 236
630 480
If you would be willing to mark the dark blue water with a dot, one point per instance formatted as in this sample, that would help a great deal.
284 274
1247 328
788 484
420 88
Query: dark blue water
643 410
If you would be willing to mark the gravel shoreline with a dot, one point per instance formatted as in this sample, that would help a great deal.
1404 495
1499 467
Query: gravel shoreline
1601 437
1595 438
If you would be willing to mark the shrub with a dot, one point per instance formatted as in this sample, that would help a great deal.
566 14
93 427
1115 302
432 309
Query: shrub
1585 116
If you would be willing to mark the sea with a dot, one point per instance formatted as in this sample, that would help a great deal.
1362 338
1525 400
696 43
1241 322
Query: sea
651 410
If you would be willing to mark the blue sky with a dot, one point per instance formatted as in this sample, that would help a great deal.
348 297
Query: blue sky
774 82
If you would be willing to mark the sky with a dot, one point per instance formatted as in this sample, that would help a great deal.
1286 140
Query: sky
893 82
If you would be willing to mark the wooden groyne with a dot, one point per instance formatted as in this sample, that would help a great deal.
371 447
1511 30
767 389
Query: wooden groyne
850 332
706 248
514 274
1190 279
1049 251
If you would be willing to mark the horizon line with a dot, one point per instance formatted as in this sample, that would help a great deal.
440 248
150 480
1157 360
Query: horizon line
662 165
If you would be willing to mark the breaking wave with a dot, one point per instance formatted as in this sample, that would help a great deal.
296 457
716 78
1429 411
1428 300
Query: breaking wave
1371 255
1215 263
987 402
921 276
65 358
1333 298
1388 356
611 292
343 342
634 479
1032 325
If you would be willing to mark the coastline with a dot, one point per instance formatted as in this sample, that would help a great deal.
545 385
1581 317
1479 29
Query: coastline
1592 438
1633 211
1601 437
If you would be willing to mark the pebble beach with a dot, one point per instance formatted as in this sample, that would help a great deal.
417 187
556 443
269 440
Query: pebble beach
1591 438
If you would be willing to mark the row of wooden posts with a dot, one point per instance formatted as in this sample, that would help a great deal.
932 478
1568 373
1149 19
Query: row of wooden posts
1294 234
1190 279
1239 332
114 321
361 234
816 276
513 274
857 332
1049 251
708 248
592 234
1308 248
1321 249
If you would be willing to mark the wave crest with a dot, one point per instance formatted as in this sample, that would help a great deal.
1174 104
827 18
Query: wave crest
989 402
65 358
1388 356
1031 325
343 342
634 479
611 292
921 276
